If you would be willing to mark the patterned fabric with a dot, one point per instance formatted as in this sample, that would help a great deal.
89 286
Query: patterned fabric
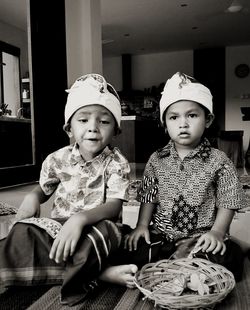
184 216
188 192
6 209
51 226
81 184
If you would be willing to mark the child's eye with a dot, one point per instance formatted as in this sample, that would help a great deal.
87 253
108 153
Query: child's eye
82 120
173 117
192 115
105 122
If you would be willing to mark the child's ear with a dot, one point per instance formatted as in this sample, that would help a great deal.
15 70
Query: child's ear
117 131
67 129
209 120
70 135
164 126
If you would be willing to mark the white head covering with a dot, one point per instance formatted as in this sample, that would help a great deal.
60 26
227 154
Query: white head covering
92 89
183 87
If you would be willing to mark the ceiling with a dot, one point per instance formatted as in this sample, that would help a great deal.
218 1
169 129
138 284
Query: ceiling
169 25
150 26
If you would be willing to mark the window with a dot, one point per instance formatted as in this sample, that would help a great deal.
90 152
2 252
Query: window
10 90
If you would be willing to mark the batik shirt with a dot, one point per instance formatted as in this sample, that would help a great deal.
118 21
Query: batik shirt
188 192
82 185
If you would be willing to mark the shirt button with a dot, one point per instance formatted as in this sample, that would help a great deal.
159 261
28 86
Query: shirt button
181 167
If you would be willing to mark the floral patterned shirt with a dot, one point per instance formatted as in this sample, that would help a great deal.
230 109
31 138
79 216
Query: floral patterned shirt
188 192
80 184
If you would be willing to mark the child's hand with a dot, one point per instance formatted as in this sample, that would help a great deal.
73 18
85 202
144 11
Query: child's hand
131 240
65 243
212 241
28 208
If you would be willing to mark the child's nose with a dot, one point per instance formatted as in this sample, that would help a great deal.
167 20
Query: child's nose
93 125
183 122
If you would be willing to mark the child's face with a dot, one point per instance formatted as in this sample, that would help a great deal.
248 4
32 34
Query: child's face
93 128
185 122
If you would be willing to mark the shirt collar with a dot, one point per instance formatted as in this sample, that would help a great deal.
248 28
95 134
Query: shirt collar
203 150
76 157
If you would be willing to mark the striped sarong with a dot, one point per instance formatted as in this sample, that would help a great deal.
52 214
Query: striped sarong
24 257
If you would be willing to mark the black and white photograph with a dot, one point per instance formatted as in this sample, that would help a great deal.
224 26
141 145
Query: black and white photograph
125 154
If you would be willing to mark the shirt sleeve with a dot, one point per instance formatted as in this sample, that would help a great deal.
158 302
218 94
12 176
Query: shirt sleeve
48 177
148 192
229 190
117 177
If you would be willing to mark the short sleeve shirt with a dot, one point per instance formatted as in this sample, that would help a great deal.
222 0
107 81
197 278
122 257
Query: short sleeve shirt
80 184
188 192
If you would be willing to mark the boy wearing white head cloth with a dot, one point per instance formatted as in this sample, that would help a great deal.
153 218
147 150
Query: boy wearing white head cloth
90 180
190 190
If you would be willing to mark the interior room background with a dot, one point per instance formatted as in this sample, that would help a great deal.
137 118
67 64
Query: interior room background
147 70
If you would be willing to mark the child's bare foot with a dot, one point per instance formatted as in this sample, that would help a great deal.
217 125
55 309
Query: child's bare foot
122 275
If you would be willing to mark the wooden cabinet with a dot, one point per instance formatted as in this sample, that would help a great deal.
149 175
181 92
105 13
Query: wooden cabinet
16 142
231 142
139 139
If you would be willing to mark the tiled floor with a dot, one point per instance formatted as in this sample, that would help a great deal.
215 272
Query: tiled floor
15 195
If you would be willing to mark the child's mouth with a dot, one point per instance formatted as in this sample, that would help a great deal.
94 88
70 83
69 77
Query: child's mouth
183 134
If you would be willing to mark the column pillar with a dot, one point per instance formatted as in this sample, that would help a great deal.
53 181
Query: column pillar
83 38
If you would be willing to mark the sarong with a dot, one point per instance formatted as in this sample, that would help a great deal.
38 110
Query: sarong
24 257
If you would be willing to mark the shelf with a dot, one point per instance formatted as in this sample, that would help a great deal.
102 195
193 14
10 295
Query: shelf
4 118
129 117
25 92
26 100
25 80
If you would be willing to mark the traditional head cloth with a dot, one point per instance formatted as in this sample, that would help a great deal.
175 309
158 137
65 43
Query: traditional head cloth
183 87
92 89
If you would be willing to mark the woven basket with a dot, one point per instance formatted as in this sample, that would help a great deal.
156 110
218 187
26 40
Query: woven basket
168 282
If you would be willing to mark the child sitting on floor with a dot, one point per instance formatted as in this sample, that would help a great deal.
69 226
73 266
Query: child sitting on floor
90 179
190 190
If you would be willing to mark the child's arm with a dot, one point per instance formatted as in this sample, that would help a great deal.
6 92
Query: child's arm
65 243
30 206
229 193
141 230
213 241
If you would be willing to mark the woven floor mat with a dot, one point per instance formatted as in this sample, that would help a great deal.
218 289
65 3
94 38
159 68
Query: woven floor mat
51 300
20 298
104 298
111 297
133 300
239 298
129 299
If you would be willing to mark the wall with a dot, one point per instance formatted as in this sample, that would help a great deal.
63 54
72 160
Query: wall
18 38
235 87
148 69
